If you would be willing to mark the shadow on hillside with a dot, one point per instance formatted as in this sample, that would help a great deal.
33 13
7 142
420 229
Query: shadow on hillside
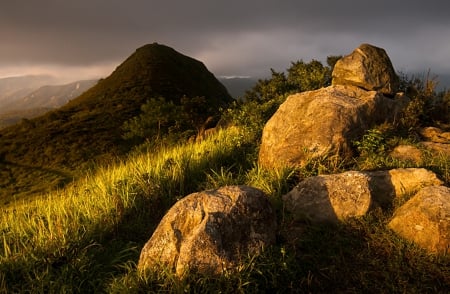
20 180
321 201
359 256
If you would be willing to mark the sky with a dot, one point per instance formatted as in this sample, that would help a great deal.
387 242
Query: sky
89 38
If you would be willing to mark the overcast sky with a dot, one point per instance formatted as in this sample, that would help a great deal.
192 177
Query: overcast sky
89 38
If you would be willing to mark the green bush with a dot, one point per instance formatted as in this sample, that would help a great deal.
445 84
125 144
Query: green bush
427 106
165 122
263 100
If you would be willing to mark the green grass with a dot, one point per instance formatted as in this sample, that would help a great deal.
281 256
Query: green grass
87 237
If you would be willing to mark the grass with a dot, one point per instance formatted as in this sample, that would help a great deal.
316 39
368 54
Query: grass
87 236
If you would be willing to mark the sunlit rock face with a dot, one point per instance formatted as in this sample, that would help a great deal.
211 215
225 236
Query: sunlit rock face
211 231
323 122
369 68
425 219
338 197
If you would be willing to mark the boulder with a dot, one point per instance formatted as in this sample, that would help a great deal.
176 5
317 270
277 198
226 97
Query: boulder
425 219
407 153
210 231
323 122
436 140
330 198
436 135
333 198
388 185
369 68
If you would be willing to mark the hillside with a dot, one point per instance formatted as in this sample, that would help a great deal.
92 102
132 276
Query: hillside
13 117
87 237
88 128
90 235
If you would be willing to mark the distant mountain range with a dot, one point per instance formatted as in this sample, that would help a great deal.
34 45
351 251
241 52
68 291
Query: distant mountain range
237 86
49 96
26 97
13 88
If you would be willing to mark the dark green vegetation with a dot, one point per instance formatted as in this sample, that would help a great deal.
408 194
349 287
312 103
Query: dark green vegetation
14 117
87 237
55 147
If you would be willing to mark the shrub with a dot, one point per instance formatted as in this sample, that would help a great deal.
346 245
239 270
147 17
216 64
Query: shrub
427 107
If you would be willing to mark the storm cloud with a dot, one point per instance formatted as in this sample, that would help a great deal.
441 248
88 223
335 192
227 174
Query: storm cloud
89 38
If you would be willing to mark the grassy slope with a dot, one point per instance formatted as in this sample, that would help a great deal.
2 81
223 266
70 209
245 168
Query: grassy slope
87 237
56 145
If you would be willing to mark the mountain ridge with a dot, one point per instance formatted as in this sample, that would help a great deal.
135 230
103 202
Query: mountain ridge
89 127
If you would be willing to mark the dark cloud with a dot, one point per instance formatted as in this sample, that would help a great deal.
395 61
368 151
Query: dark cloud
230 37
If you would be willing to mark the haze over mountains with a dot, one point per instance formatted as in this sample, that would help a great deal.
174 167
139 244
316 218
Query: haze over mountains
31 96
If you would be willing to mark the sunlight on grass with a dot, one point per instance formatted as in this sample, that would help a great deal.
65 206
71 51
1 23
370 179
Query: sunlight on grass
87 236
80 216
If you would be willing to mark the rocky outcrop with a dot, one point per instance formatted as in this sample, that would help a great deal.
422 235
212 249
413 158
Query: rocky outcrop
325 122
395 183
210 231
333 198
322 123
330 198
436 135
407 153
369 68
425 219
435 142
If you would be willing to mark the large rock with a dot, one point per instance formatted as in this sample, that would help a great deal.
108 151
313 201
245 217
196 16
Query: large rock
367 67
388 185
425 219
210 231
330 198
407 153
437 141
323 122
333 198
436 135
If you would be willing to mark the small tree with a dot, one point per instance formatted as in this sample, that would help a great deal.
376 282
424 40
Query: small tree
308 76
426 107
267 89
261 102
157 117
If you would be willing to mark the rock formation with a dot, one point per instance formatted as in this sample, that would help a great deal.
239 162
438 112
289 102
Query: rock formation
387 185
435 142
210 231
425 219
369 68
407 153
325 122
321 123
332 198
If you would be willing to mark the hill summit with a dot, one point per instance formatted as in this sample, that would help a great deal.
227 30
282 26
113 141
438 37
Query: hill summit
89 127
157 70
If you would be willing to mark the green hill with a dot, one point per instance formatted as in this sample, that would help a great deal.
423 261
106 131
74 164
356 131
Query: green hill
88 128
